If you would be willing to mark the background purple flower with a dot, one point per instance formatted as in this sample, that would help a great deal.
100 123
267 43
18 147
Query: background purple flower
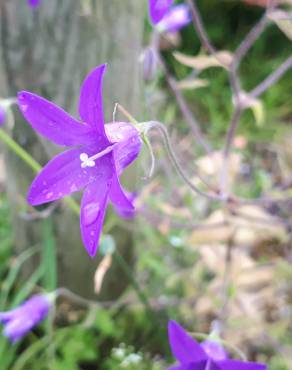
33 3
100 154
193 356
158 8
176 18
19 321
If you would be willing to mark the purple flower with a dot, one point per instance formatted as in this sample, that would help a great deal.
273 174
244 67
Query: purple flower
168 18
2 115
100 155
176 18
19 321
158 9
207 356
33 3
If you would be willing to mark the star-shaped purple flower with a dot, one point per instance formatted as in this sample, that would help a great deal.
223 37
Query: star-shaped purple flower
33 3
208 355
168 18
100 155
19 321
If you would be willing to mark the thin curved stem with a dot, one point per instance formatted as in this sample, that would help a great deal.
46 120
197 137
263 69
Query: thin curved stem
272 78
226 151
163 130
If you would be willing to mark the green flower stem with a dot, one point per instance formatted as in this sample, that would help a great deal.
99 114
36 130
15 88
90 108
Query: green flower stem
19 151
32 163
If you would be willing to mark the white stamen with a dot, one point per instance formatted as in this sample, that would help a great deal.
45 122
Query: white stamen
89 161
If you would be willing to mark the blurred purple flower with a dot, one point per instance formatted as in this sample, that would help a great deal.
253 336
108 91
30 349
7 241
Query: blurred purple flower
100 155
168 18
176 18
19 321
206 356
158 9
2 115
33 3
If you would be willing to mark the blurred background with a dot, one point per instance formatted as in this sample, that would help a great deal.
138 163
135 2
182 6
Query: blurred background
182 257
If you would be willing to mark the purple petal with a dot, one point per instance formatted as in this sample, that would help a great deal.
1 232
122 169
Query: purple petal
120 200
22 319
158 8
178 17
93 207
240 365
90 102
53 122
33 3
214 350
7 316
37 306
129 143
2 115
124 212
184 348
62 176
17 328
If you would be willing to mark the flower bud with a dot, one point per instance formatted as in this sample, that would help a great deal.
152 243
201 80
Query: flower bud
149 60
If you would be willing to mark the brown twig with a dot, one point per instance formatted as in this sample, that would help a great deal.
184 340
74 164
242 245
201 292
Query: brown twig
182 104
272 78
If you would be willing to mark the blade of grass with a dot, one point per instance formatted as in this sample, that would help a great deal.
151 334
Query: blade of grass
28 287
13 273
49 257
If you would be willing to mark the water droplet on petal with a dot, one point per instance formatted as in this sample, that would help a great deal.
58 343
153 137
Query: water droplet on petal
90 213
73 188
49 195
24 107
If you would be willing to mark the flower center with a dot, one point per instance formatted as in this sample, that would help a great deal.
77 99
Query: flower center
90 161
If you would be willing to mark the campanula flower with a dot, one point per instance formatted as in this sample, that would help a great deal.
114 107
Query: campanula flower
33 3
168 18
100 154
206 356
19 321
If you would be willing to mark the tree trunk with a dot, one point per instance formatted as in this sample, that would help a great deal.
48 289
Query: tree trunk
49 51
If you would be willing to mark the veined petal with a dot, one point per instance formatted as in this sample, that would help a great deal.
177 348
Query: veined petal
158 8
93 208
240 365
128 144
53 122
184 348
62 176
90 102
120 199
